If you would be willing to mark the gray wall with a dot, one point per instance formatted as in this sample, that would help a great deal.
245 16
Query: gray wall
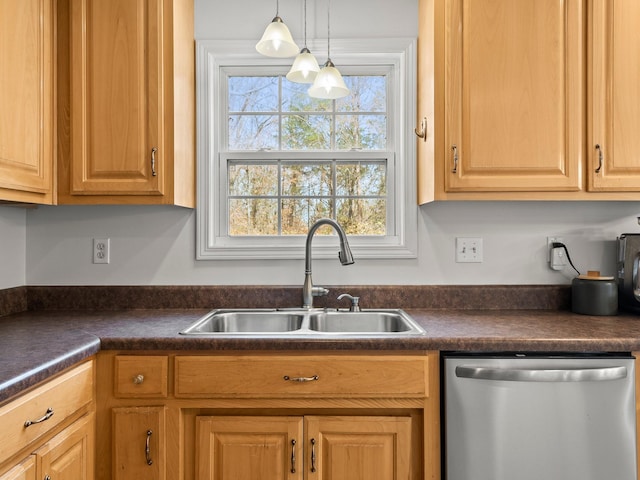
156 245
13 234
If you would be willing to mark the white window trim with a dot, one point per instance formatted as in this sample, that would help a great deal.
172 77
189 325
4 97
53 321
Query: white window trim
212 55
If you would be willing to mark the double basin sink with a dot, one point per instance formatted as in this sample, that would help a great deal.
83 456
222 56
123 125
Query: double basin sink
304 323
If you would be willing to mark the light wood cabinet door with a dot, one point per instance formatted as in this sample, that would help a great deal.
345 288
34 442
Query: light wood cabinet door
116 103
70 454
139 443
25 470
614 76
310 447
358 448
246 448
26 100
126 102
513 83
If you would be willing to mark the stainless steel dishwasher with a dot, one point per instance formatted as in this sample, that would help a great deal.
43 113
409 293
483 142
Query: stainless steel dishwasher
532 417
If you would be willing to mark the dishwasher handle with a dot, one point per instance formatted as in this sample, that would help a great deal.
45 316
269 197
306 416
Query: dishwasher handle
542 375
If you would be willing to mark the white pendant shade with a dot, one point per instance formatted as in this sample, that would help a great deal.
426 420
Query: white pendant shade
328 83
277 41
304 69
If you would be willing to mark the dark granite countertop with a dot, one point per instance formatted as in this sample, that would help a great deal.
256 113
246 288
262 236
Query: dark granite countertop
37 344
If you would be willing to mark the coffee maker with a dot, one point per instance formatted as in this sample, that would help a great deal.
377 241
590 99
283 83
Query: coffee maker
628 272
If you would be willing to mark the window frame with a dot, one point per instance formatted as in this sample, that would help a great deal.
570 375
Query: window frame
212 243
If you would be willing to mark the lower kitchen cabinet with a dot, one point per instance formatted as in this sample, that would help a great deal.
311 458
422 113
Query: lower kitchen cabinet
273 416
25 470
239 447
313 447
139 443
67 456
49 432
70 454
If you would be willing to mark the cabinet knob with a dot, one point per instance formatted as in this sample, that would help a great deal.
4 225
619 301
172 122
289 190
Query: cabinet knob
138 379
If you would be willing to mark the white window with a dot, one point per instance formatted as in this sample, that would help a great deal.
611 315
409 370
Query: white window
272 160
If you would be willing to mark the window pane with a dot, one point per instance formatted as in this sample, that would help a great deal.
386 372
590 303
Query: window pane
253 94
368 94
306 180
306 132
253 180
300 213
367 132
253 132
361 179
296 99
362 216
253 216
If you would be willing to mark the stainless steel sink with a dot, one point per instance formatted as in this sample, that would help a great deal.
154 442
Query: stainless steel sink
246 322
363 321
320 323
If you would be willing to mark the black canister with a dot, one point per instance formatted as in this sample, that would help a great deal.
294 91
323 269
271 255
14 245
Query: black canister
592 294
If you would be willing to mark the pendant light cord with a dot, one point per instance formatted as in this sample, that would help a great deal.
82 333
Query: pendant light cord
305 23
329 29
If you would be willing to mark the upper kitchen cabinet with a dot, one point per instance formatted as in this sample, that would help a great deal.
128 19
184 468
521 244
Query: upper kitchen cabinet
27 100
614 76
513 96
126 102
531 100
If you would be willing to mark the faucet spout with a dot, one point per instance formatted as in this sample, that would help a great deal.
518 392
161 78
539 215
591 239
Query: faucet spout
345 256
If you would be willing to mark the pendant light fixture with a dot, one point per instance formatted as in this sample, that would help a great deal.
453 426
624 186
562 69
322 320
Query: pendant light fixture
305 66
328 83
277 40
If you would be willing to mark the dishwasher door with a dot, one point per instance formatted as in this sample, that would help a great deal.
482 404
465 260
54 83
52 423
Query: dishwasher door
523 417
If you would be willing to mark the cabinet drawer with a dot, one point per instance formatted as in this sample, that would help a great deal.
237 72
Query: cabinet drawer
140 376
63 396
290 376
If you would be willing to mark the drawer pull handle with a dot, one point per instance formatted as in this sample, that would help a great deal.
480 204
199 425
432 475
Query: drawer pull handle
138 379
313 455
301 379
47 477
147 448
454 149
153 161
48 414
293 456
600 158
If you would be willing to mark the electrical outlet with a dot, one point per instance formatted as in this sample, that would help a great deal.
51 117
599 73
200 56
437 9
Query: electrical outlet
101 250
468 250
550 242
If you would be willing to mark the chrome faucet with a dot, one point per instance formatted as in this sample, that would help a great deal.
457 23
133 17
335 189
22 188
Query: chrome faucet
345 256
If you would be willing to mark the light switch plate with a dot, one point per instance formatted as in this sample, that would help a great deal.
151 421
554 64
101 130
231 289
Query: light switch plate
468 250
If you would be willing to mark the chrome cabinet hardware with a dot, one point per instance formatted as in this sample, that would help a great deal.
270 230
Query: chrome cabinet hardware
313 455
47 477
301 379
147 448
138 379
542 375
293 456
153 161
454 149
48 414
600 158
423 130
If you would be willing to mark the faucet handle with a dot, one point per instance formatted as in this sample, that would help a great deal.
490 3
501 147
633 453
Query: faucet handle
355 307
319 291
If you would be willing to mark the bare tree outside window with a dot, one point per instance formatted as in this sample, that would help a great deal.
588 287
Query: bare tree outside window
284 196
